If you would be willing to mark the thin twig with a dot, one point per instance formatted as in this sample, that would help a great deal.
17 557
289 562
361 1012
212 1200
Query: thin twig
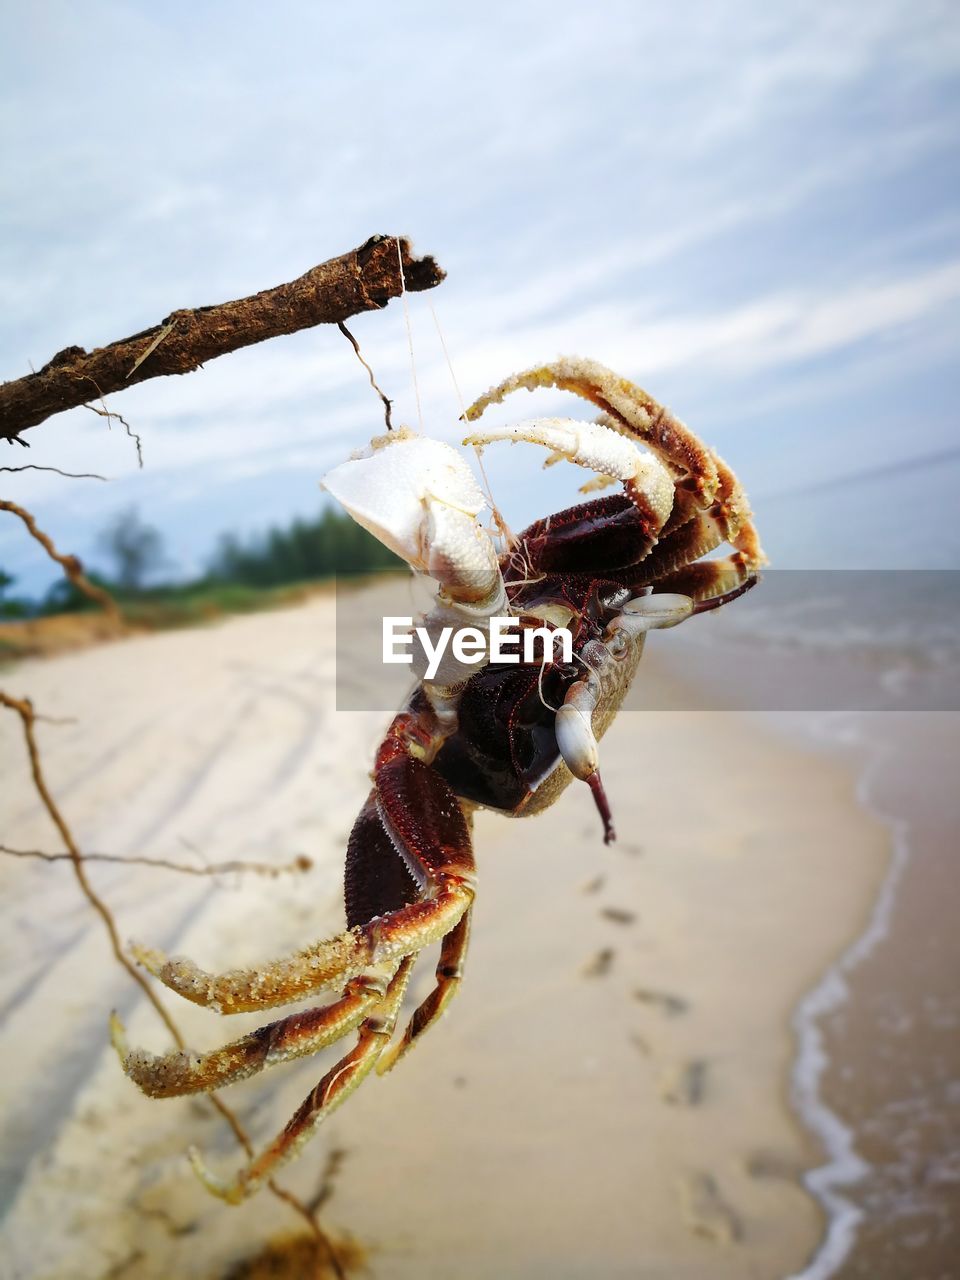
299 864
23 707
387 404
70 564
68 475
110 415
365 279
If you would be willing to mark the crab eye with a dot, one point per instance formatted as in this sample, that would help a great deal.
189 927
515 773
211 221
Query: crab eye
617 644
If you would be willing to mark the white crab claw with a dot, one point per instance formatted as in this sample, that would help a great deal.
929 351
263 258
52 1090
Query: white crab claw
420 499
576 740
599 449
654 612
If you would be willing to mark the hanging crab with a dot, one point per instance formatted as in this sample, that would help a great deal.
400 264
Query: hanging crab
609 570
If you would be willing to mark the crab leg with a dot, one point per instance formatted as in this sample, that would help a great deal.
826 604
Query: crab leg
170 1075
413 821
646 481
449 974
711 583
728 519
627 408
332 1091
424 822
397 934
737 518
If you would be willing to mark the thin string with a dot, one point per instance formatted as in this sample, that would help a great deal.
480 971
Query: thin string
498 519
406 316
446 356
543 665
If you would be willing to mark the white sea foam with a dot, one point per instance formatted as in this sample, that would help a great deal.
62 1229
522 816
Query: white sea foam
843 1166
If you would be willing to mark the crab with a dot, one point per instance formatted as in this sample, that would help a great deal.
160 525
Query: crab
508 737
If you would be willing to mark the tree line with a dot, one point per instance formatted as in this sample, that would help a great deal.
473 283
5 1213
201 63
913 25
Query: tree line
306 550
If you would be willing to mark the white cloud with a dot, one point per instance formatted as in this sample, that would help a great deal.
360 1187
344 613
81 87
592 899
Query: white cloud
713 200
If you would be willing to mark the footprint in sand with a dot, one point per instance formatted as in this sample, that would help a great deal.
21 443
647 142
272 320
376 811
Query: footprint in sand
684 1084
630 847
600 964
640 1043
664 1001
775 1165
619 915
707 1213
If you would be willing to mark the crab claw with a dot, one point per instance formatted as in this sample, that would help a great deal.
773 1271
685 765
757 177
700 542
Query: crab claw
578 746
600 449
420 499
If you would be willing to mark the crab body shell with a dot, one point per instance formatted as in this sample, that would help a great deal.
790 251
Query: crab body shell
504 753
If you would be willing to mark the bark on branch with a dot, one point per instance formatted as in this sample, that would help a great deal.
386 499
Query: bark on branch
365 279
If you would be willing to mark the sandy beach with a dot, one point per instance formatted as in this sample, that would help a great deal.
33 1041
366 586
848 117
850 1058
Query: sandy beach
608 1096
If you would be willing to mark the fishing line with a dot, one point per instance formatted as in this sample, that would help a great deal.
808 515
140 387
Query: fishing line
497 515
406 316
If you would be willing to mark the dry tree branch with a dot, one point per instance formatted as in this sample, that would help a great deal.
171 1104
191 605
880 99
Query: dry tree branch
365 279
23 707
70 564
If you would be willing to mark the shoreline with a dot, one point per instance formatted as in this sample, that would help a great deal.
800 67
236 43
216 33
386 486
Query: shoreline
879 1226
892 1055
844 1167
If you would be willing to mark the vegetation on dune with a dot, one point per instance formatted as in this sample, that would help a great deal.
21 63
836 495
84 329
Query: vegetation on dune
242 575
308 549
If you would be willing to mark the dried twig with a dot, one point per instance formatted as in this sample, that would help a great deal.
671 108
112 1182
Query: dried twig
365 279
387 404
111 416
68 475
23 707
299 864
70 564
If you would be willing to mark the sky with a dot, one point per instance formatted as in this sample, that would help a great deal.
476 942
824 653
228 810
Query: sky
749 209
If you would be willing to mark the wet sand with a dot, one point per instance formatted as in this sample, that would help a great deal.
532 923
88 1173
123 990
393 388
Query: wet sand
609 1095
892 1043
878 1061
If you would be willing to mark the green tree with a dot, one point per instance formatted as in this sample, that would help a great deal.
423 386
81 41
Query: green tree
330 543
134 548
